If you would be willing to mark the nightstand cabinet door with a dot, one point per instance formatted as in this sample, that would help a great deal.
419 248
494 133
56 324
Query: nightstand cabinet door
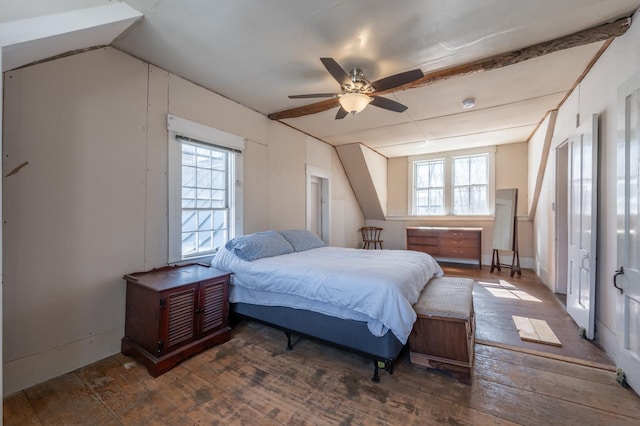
179 315
214 309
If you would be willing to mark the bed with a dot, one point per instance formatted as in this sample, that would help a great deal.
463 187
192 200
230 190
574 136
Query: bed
357 299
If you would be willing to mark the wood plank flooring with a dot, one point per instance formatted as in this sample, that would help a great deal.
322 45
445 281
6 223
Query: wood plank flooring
253 380
498 297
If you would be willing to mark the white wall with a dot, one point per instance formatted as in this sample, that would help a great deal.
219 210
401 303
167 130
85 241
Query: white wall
596 94
511 171
91 204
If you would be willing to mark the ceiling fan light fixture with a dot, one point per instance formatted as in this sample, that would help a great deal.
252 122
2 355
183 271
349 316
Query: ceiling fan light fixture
354 102
468 103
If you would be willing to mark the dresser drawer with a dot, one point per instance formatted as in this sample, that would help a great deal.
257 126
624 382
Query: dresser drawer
461 252
432 250
460 242
427 240
423 233
460 234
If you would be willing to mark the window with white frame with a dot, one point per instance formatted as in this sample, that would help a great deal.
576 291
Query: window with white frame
453 183
429 187
470 182
205 206
206 197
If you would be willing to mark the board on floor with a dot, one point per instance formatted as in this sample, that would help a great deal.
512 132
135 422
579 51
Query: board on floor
535 330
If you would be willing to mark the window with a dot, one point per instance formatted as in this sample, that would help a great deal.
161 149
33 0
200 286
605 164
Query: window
470 179
429 191
205 203
454 183
206 198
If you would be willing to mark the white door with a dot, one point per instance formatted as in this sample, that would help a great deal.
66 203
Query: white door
582 226
627 277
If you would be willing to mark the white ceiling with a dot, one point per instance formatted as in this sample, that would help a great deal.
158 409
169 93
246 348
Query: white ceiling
256 52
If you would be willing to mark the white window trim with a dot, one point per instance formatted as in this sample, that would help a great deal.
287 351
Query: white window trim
448 185
177 126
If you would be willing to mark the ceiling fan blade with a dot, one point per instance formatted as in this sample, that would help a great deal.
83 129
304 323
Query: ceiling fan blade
314 95
397 80
336 71
342 113
386 103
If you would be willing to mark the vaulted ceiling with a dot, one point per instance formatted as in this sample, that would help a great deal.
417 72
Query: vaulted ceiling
259 52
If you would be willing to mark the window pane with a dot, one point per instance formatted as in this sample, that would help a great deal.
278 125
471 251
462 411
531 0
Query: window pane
203 157
205 241
205 220
188 197
219 160
437 174
460 171
436 201
189 221
204 198
220 237
188 243
218 199
461 200
204 178
478 170
188 176
220 219
422 175
219 179
188 155
477 201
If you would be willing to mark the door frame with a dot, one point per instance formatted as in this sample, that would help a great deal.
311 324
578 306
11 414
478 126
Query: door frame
324 176
561 212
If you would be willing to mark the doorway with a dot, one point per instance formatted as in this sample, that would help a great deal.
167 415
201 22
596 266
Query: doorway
318 202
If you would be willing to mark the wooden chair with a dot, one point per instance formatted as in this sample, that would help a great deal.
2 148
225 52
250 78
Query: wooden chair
371 237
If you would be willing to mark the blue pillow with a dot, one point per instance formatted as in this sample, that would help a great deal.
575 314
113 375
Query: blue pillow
259 245
302 240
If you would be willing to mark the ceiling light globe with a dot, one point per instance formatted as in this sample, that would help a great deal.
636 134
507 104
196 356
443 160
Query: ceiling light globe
354 102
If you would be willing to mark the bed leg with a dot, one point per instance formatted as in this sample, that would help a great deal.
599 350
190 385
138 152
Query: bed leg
387 365
375 378
289 345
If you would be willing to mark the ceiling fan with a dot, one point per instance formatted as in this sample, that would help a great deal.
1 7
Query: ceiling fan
358 92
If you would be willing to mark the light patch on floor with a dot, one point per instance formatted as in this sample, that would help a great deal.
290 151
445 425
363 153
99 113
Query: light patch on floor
506 290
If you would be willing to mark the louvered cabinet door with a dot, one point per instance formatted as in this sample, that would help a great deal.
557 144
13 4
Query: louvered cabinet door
213 309
181 317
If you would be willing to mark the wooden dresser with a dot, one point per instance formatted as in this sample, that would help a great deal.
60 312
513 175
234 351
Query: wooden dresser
446 243
173 313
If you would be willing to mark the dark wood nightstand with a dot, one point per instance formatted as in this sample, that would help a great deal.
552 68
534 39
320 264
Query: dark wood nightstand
175 312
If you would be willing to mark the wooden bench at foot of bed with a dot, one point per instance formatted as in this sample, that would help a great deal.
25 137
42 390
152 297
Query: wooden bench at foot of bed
443 336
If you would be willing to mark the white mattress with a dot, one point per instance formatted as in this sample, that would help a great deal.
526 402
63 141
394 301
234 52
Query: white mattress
376 286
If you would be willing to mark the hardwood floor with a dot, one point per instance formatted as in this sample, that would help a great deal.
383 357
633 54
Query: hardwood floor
498 296
253 380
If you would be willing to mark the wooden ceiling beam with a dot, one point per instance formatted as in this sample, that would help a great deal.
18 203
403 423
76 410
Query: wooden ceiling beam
588 36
